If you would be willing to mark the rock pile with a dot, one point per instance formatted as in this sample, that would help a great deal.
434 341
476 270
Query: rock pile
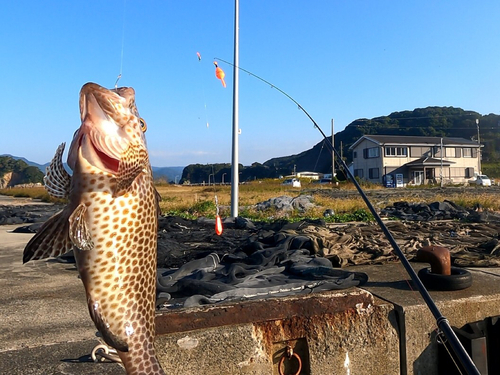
445 210
27 214
286 203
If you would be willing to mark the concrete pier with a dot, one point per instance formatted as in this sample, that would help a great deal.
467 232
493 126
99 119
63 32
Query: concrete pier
382 328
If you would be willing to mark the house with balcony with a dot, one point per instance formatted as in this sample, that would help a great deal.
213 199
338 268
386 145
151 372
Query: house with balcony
410 160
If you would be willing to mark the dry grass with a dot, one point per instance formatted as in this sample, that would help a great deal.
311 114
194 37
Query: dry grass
200 200
194 201
32 192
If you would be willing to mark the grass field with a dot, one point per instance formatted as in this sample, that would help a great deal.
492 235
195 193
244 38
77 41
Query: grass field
193 201
196 201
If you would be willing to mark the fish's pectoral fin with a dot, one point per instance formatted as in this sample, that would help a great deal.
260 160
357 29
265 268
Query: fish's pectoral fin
102 326
78 230
57 180
52 239
133 162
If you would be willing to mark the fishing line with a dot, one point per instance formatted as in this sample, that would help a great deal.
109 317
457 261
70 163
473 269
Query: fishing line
319 155
441 322
123 43
203 90
218 221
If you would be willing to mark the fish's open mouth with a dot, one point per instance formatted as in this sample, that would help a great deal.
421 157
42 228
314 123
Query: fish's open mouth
109 127
95 157
110 164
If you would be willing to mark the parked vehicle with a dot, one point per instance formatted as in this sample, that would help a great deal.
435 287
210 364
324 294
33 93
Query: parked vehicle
294 182
481 179
323 181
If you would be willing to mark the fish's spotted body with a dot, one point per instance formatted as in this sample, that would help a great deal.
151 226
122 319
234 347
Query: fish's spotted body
110 222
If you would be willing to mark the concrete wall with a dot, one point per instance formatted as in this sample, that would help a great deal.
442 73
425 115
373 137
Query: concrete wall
358 336
384 328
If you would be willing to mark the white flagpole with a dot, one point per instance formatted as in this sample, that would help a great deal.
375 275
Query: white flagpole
234 166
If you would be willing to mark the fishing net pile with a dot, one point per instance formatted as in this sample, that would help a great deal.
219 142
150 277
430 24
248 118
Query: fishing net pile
246 262
256 260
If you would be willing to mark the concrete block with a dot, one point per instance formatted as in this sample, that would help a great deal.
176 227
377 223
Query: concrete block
341 332
419 348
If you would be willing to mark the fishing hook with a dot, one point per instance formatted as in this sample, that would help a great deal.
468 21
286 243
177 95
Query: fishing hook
117 79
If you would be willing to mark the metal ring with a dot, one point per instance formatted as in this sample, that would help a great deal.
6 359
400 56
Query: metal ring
104 352
282 360
102 347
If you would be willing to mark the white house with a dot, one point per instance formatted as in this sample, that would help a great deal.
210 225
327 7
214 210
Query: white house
401 160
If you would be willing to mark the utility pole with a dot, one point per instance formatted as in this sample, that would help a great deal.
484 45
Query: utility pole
441 173
235 177
479 148
333 153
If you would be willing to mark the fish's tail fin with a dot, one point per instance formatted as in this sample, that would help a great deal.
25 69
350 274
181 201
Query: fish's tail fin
148 361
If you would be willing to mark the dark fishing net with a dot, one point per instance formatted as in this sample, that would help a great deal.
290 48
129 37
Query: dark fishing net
256 260
270 272
259 260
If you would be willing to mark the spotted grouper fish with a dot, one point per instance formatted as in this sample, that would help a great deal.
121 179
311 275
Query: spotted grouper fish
110 222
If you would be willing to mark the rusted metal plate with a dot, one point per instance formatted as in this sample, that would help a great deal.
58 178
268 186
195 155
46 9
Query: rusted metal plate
260 311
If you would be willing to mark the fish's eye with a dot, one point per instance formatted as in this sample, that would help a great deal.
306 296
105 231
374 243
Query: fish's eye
144 127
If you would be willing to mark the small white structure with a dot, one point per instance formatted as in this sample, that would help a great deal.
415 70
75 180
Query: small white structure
294 182
311 175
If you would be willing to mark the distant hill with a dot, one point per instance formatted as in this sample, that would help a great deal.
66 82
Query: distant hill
30 163
15 172
430 121
169 174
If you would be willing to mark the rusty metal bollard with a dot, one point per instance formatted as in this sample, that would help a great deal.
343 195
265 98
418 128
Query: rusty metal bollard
441 275
438 257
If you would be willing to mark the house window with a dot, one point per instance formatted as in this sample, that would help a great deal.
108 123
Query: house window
467 152
452 152
373 152
354 154
358 173
373 173
469 172
417 152
437 151
396 151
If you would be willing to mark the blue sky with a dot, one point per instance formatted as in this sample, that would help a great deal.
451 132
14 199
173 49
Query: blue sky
339 59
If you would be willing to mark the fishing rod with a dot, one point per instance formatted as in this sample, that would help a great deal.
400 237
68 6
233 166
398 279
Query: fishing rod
442 323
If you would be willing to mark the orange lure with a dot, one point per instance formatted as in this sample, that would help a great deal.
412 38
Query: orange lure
219 73
218 220
218 225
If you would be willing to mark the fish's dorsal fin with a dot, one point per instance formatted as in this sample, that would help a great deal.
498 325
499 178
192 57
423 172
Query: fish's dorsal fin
78 230
133 161
57 180
51 240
